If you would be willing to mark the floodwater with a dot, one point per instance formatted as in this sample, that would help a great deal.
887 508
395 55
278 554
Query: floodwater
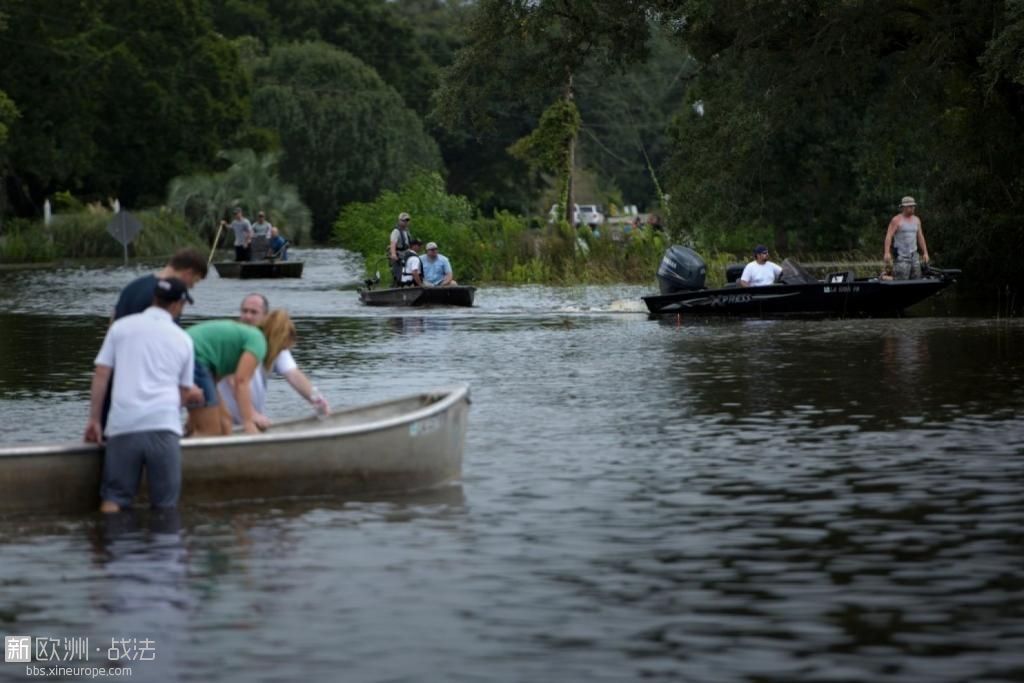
664 500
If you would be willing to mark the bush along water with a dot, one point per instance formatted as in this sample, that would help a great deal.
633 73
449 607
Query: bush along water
83 234
503 248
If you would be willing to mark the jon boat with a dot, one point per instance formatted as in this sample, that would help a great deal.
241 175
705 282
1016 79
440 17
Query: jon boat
681 280
404 444
247 270
458 295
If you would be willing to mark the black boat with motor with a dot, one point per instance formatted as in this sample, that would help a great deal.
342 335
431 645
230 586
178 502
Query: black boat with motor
682 273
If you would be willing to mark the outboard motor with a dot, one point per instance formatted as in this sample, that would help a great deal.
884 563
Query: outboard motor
681 270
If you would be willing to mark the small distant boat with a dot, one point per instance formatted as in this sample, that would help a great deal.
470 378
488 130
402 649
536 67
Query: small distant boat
681 279
247 270
405 444
458 295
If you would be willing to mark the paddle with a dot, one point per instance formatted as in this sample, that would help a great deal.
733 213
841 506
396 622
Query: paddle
216 241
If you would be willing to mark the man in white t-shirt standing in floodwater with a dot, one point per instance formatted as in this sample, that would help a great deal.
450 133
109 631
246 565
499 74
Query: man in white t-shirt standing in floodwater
154 359
760 271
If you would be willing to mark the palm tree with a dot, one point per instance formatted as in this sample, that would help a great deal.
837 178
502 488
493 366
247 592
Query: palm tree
250 182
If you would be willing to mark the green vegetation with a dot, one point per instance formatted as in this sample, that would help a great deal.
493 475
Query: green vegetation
503 248
83 234
344 132
251 183
798 124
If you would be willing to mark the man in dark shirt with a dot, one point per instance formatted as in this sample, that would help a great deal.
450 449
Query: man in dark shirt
188 265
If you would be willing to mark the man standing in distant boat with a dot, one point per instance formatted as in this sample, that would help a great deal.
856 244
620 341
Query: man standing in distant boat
154 359
401 238
905 237
261 228
760 271
437 270
243 235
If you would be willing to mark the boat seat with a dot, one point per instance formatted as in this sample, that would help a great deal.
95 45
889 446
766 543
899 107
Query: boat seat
733 272
840 277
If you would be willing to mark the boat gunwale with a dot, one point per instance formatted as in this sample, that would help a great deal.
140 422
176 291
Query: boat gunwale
451 395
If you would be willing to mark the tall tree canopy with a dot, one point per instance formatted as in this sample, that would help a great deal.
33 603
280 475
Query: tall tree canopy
375 31
109 108
345 134
819 115
520 56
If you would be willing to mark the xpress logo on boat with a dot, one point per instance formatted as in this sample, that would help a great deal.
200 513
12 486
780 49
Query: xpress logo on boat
725 299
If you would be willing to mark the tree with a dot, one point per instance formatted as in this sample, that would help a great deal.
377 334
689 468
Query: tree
111 110
250 182
374 30
345 134
521 57
820 115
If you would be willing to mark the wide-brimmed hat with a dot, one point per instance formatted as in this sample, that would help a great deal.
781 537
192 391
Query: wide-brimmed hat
907 201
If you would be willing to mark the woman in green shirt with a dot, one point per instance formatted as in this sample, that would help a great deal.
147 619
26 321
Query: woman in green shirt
227 347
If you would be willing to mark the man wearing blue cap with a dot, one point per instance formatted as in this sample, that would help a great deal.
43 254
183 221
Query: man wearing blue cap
760 271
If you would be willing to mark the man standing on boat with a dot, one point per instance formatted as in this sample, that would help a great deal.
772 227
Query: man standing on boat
243 236
437 270
255 309
155 361
905 236
760 271
401 238
261 228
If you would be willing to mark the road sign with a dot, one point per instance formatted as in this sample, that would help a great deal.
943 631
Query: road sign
123 227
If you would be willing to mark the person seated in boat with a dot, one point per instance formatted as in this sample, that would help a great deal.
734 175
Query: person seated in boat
760 271
437 270
401 238
227 347
412 273
255 310
155 364
905 237
278 249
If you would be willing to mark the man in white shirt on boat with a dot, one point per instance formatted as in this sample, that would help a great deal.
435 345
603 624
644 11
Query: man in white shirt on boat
760 271
154 359
412 271
254 311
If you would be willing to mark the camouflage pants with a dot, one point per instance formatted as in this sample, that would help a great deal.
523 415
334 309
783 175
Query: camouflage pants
907 269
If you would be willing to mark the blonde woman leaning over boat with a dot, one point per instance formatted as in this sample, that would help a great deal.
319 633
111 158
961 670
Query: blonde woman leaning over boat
227 347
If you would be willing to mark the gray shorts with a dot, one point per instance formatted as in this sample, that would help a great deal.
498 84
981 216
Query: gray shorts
126 454
907 269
